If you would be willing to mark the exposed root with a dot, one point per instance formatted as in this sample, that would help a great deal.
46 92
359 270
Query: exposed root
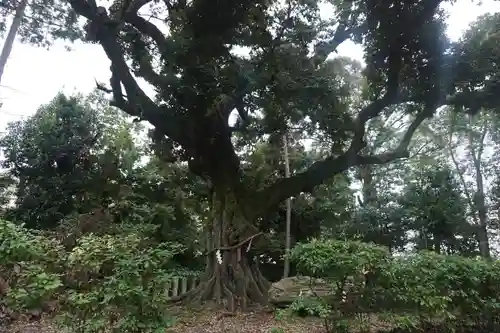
255 290
262 282
205 293
230 280
192 294
235 288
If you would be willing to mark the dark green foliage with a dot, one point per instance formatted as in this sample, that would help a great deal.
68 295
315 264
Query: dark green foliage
380 224
43 22
108 281
428 211
51 156
280 84
434 209
409 291
76 162
169 199
475 68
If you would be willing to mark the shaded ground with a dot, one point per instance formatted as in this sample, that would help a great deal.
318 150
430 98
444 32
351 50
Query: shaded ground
30 326
204 321
262 321
188 320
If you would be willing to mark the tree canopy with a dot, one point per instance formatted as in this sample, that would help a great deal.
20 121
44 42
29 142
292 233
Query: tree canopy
43 21
200 79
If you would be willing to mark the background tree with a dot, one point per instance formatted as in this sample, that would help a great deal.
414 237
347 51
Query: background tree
77 167
51 155
37 22
313 214
434 211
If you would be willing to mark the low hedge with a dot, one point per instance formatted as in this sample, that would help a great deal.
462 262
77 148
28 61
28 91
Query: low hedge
408 290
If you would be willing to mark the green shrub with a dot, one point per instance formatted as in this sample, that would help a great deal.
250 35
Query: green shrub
118 284
442 286
31 266
345 265
407 291
111 283
310 306
337 260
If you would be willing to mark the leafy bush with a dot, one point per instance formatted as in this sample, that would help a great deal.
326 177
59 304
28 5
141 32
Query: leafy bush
337 259
407 291
106 282
340 263
310 306
443 287
30 266
118 283
345 266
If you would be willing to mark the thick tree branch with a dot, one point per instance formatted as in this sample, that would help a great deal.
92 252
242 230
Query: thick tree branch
84 8
149 29
136 5
324 49
322 170
137 102
373 110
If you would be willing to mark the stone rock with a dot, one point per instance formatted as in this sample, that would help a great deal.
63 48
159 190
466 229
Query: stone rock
282 293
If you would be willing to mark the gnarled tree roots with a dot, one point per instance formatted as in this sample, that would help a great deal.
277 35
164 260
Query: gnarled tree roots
235 285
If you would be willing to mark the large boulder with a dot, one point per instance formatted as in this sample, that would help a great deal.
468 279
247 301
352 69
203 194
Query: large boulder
285 291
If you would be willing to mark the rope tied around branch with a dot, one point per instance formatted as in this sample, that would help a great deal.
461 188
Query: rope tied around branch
248 240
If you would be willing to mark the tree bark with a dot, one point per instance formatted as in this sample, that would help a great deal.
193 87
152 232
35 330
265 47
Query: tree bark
369 188
232 277
286 267
479 197
475 200
11 36
482 233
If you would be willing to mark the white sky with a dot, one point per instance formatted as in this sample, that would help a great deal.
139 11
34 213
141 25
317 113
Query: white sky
33 76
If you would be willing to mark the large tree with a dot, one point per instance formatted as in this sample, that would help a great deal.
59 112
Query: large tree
191 52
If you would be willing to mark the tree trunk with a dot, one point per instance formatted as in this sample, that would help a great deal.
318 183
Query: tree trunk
437 244
286 267
232 277
11 36
368 189
482 233
479 198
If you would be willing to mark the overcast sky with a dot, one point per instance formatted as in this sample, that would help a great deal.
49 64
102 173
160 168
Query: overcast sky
33 76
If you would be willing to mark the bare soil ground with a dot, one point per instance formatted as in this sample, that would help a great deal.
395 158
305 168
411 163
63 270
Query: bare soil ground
259 321
207 320
189 320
